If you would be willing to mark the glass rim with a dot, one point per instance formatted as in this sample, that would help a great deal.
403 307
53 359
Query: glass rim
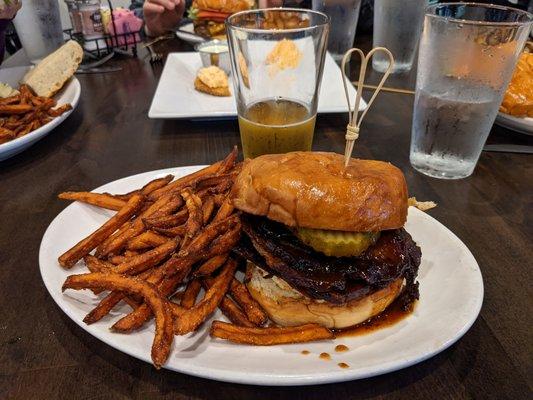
429 12
229 24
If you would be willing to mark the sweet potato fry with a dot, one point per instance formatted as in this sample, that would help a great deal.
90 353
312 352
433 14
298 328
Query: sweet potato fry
196 217
172 232
163 317
225 210
116 260
105 305
211 232
219 199
15 108
134 228
190 294
250 306
139 263
56 112
96 265
146 240
213 180
191 319
226 241
211 265
167 277
6 135
167 221
148 188
231 310
103 200
229 162
208 207
10 99
182 183
71 257
166 287
270 336
234 313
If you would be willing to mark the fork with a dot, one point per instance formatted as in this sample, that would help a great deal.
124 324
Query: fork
154 56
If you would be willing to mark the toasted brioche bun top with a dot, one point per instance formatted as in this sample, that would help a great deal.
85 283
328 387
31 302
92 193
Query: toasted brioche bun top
227 6
314 190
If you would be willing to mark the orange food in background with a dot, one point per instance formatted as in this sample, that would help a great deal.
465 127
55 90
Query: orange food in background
518 99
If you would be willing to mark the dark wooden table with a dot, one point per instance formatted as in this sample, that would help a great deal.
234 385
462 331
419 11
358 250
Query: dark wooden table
44 355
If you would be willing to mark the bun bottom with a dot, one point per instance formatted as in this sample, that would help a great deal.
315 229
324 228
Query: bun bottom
288 307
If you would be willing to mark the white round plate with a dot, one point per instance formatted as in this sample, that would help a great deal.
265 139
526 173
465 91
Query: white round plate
522 125
186 33
451 293
69 94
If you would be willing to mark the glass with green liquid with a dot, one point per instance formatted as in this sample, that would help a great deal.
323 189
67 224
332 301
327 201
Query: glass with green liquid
277 61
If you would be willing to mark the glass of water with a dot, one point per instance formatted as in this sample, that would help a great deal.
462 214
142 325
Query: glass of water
344 15
397 26
468 52
38 26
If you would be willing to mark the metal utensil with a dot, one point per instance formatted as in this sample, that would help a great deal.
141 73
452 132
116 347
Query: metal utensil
155 57
97 63
193 34
98 70
159 39
509 148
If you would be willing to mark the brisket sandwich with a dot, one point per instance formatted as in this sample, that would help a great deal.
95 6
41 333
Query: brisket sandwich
325 244
209 16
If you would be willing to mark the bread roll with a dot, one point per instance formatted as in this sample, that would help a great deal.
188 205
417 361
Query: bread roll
314 190
288 307
49 76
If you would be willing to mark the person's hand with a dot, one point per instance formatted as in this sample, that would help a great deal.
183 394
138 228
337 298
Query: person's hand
9 10
161 16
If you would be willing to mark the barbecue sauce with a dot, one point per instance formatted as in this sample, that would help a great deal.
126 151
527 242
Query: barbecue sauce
341 348
392 315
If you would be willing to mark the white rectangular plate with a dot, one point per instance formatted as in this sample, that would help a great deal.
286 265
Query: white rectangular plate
176 97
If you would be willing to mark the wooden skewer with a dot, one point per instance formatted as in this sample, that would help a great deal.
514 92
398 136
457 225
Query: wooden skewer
387 89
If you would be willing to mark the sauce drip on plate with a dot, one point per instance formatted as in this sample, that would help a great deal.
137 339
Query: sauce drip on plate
392 315
340 348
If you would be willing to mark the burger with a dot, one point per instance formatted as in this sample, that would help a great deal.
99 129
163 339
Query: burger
325 244
208 16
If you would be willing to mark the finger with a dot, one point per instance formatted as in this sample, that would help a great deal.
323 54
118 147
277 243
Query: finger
150 8
167 4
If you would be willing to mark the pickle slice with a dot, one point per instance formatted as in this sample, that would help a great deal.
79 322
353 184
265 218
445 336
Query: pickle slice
337 243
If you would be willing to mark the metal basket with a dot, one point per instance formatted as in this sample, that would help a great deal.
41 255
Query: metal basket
125 43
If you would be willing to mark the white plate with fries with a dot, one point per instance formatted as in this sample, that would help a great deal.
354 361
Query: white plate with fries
69 94
451 294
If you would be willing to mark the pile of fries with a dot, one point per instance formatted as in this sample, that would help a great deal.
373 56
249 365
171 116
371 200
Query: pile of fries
25 112
167 241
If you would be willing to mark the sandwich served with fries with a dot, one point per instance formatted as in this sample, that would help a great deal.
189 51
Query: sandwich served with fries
209 16
325 244
323 247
